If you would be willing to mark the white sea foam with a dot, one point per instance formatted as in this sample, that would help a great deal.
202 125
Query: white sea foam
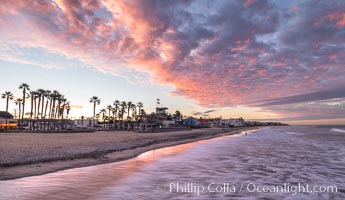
293 133
338 130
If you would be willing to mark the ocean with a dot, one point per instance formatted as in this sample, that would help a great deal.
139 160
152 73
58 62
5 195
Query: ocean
288 162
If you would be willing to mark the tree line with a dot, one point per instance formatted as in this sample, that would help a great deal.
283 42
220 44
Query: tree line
44 104
118 110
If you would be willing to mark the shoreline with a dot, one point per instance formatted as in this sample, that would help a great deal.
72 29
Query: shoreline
16 169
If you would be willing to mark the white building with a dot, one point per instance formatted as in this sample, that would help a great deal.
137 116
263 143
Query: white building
232 122
168 123
85 123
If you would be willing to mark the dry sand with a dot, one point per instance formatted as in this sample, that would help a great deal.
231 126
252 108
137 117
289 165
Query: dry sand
28 154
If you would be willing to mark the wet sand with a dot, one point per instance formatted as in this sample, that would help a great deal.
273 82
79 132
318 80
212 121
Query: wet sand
29 154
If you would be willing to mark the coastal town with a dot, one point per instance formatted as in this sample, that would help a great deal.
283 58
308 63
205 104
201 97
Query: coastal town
172 99
41 131
41 136
48 111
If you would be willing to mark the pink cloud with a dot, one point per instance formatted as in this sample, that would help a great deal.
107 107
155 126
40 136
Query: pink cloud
338 17
294 9
248 3
216 59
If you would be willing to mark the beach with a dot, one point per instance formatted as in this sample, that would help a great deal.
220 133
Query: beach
294 162
29 154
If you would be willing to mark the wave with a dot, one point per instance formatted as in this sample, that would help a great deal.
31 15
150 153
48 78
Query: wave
338 130
293 133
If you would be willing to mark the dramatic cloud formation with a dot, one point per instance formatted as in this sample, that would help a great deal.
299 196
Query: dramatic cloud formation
220 53
209 111
206 113
315 110
316 96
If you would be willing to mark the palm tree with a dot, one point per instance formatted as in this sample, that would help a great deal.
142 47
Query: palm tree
134 110
139 106
53 97
32 95
109 108
95 100
116 108
103 112
25 87
44 94
119 113
47 95
40 94
114 111
57 111
8 96
129 106
62 108
35 106
123 108
19 103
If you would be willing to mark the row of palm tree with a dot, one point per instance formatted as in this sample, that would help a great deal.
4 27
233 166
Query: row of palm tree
19 101
44 104
47 104
118 110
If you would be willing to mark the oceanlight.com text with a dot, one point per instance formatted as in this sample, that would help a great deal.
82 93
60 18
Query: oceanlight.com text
292 189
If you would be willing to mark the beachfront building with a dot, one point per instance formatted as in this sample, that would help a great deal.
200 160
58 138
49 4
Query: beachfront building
47 125
197 123
236 122
7 121
232 122
159 121
4 115
168 123
162 118
190 121
85 123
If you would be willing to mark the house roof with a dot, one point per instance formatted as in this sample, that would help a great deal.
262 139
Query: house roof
5 114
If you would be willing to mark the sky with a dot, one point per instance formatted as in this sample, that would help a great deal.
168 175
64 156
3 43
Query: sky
265 60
